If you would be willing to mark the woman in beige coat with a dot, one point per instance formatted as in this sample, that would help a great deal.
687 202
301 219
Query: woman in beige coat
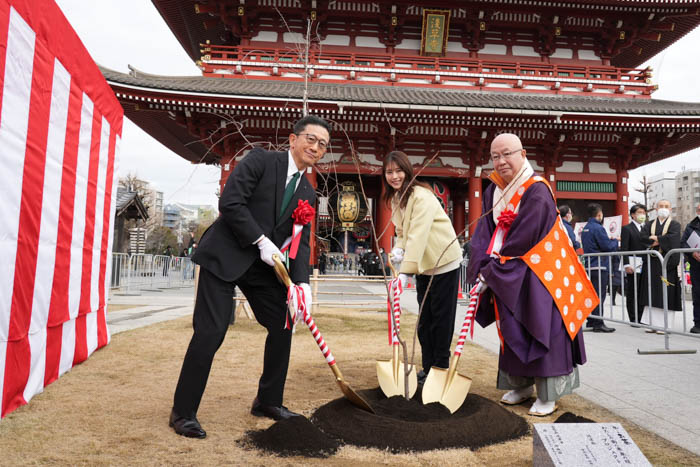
427 246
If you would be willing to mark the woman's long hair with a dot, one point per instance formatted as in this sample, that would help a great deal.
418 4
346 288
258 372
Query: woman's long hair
401 160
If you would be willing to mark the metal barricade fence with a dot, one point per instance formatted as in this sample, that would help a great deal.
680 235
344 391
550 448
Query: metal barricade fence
137 272
640 263
120 270
140 267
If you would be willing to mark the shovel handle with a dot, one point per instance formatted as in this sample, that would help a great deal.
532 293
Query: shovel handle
395 326
474 298
309 320
282 273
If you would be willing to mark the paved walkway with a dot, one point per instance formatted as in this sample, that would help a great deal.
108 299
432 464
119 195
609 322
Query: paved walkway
657 392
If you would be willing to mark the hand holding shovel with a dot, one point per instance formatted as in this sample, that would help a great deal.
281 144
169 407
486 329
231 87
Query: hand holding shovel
447 386
349 393
392 373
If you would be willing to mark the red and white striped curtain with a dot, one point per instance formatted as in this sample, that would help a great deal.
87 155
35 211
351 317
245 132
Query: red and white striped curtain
60 128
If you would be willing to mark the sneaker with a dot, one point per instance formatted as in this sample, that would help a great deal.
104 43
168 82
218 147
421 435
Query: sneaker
695 329
542 409
516 396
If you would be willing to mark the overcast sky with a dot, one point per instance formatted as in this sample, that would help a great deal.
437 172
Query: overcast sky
122 32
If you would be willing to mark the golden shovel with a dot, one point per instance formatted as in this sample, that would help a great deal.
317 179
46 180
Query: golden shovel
347 391
447 386
391 373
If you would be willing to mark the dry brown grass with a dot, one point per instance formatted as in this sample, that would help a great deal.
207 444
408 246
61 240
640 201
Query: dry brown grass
113 409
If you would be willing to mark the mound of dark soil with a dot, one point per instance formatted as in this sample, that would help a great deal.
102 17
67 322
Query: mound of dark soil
568 417
296 436
400 425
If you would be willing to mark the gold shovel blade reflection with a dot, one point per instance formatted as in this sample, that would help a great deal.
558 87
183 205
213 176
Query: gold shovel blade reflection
390 374
446 386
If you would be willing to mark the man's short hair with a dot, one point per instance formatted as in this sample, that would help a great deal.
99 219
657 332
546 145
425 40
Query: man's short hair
636 208
564 210
301 124
594 209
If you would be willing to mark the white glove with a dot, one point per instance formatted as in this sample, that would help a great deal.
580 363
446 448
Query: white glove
481 284
307 298
267 249
404 280
397 255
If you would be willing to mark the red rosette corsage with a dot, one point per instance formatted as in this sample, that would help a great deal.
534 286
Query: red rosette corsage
506 219
304 213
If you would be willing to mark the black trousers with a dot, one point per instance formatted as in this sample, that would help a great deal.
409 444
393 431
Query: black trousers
212 314
695 279
437 320
599 278
632 293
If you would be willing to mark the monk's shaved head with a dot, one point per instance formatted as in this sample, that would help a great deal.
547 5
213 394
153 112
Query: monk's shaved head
508 155
508 139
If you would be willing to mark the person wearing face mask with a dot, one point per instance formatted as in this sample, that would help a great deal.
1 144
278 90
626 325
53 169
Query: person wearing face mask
427 246
632 241
595 240
694 260
568 217
662 234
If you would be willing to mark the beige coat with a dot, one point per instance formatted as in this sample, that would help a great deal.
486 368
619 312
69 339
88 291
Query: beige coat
424 231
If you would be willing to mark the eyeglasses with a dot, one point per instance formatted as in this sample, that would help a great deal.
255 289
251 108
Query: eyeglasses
313 139
497 157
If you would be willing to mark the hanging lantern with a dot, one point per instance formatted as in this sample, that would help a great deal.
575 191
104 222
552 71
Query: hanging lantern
442 193
349 206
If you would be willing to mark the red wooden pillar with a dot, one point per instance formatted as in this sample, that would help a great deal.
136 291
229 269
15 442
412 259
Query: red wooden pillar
226 169
458 213
550 176
385 229
313 256
621 197
474 203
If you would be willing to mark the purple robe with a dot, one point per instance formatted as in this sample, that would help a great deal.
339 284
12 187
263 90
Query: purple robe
536 341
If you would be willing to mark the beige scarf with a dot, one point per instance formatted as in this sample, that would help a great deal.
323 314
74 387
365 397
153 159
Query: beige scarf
501 198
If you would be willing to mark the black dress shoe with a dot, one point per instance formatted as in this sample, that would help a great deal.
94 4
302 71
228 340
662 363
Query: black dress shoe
185 426
695 330
603 328
270 411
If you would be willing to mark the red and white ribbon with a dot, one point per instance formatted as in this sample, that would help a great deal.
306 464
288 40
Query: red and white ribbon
308 319
293 242
468 325
296 304
393 305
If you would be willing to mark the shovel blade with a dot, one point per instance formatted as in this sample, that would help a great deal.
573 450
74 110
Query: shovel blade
356 399
392 385
439 388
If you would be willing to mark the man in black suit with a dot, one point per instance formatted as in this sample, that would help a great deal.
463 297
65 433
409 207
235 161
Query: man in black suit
632 241
237 250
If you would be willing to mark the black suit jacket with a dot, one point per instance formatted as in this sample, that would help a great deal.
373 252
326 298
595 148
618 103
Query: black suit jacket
249 207
631 240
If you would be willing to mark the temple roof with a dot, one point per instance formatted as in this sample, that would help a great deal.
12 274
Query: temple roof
457 99
129 205
189 27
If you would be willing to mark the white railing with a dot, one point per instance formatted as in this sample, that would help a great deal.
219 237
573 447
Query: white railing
140 272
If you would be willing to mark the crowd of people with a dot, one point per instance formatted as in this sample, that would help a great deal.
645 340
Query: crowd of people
541 343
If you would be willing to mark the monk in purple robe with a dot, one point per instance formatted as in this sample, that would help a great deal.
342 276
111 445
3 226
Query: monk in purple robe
535 346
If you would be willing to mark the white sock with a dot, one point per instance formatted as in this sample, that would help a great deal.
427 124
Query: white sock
517 395
542 407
